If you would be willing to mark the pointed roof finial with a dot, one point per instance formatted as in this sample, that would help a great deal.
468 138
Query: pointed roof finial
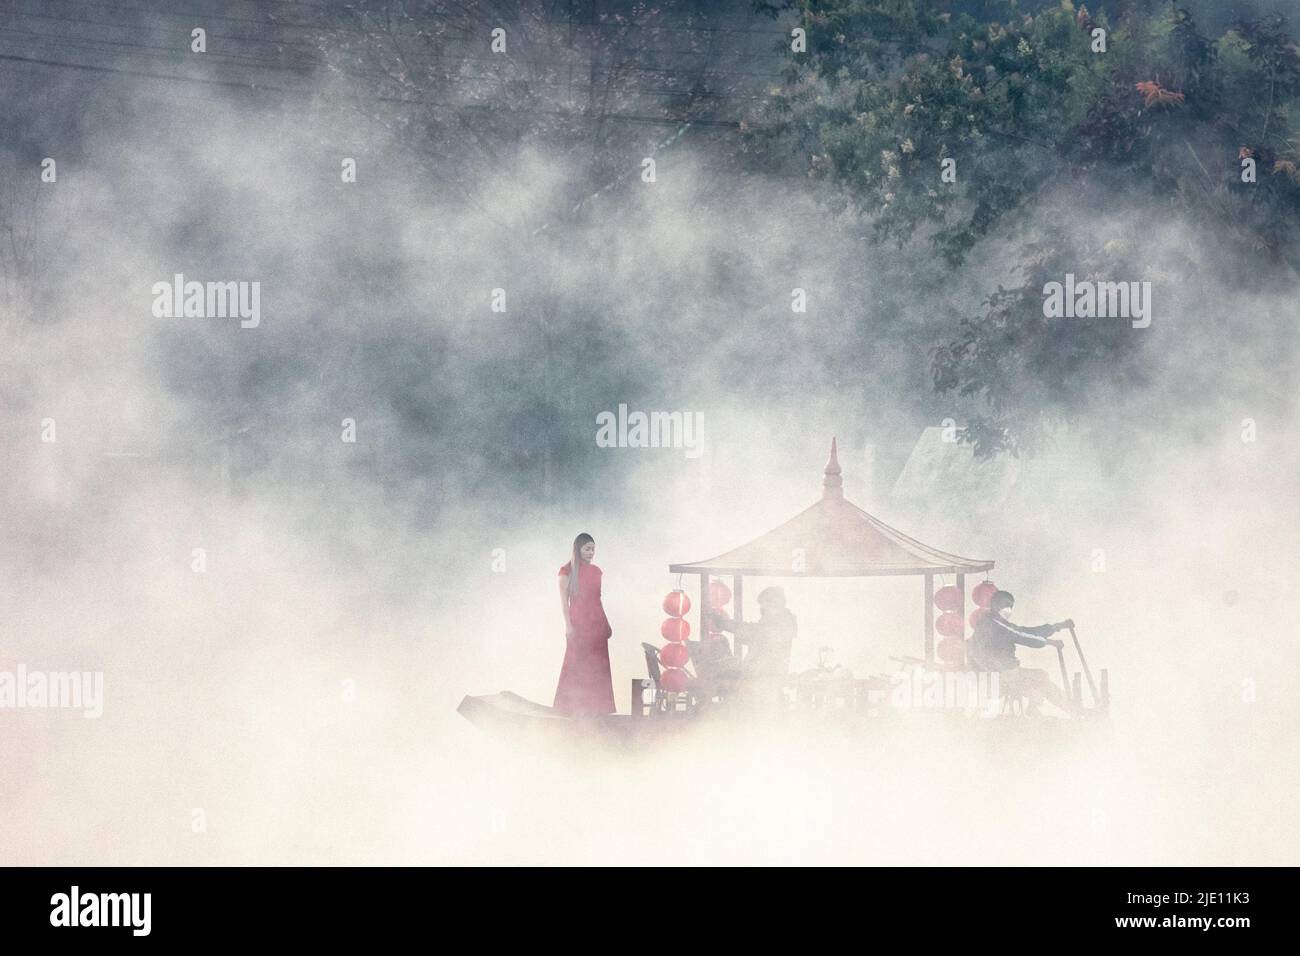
832 483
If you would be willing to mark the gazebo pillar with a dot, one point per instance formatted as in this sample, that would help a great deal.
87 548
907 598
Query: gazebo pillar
704 605
738 597
929 618
961 609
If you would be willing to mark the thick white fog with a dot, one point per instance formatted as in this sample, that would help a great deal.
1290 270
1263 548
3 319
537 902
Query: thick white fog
293 700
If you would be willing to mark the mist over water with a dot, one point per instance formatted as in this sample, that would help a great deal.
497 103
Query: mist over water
301 691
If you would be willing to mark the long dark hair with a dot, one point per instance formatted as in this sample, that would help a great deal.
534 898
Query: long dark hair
575 561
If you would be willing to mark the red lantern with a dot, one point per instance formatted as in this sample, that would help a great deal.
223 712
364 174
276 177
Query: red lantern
673 680
719 594
677 604
977 615
674 655
983 593
951 650
675 629
950 624
948 598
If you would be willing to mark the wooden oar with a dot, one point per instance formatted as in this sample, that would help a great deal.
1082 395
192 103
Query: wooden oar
1092 688
1065 678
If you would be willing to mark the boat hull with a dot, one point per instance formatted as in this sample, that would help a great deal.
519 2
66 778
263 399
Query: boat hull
509 716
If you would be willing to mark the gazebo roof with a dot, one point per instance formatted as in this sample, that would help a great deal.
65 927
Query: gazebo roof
838 539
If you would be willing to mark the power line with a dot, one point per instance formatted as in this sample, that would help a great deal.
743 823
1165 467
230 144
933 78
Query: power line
96 46
302 65
775 31
424 56
184 31
273 19
421 35
263 87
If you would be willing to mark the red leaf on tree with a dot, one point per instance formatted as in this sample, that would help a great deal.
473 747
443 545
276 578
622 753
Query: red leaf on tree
1156 94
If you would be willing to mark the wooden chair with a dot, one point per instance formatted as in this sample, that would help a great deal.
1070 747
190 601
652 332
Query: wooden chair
665 702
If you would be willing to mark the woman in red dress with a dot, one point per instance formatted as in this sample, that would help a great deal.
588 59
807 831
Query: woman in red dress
585 684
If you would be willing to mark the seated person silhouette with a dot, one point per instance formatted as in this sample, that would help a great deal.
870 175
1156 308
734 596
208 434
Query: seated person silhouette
993 648
766 645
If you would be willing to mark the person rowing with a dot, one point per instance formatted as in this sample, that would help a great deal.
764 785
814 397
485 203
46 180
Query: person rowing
993 648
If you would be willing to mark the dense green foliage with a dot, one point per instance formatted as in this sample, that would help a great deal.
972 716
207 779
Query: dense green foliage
1026 103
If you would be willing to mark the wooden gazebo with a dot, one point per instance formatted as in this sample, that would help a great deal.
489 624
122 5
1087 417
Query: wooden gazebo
834 539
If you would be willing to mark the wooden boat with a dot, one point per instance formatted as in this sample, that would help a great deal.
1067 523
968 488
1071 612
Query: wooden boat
506 714
835 538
